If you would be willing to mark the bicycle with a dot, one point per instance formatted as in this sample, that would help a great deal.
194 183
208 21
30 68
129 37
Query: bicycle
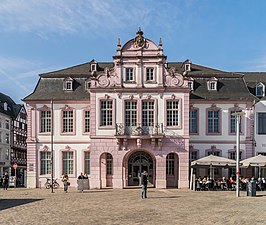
48 184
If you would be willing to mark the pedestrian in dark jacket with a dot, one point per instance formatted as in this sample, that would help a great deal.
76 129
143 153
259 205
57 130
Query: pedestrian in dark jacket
5 181
144 184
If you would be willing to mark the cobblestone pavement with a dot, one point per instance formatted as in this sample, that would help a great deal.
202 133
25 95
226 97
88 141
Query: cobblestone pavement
113 206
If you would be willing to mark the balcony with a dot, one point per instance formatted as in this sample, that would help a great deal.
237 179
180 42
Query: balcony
139 129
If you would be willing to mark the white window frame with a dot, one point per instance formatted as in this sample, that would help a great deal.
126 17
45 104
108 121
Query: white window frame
106 113
87 121
45 121
67 121
148 113
130 113
68 162
262 86
129 74
150 74
171 113
45 163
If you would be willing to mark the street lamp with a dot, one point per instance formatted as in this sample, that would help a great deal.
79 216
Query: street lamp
238 118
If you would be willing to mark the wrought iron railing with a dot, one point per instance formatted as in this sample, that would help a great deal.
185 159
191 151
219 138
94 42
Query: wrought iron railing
139 129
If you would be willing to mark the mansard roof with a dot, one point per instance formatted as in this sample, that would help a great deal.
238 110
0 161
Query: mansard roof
12 108
252 79
82 70
50 85
52 88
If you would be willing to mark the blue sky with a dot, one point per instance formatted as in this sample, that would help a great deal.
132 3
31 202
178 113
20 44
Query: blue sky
39 36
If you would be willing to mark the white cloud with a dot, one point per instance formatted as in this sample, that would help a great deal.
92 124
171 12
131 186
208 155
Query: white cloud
97 16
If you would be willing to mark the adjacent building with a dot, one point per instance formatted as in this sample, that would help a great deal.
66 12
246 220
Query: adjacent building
13 135
112 120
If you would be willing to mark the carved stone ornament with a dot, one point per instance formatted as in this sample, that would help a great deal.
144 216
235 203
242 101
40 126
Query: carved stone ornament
107 96
131 97
45 148
173 96
173 79
148 96
139 40
103 81
67 147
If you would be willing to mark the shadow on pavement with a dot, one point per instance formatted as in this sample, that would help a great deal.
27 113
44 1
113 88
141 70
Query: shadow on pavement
9 203
166 197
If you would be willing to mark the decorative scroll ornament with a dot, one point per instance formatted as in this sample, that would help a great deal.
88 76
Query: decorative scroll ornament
173 79
103 81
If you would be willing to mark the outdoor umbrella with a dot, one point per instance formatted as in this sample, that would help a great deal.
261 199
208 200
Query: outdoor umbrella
215 161
255 161
211 161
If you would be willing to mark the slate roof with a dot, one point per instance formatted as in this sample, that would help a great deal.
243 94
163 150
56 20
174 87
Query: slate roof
12 108
50 85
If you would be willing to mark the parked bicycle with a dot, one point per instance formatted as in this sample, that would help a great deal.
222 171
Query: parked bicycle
48 183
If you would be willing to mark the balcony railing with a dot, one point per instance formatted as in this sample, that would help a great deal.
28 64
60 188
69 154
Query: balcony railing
139 129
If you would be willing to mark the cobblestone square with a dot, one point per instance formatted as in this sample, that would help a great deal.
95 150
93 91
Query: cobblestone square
116 206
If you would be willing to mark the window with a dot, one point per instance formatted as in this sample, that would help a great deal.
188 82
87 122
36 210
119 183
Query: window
129 74
45 163
45 121
190 84
7 138
187 67
232 155
193 155
213 121
130 113
193 121
93 67
109 164
172 113
233 122
260 90
149 74
106 113
7 124
87 121
212 85
170 164
147 113
216 153
68 163
68 121
69 85
261 123
87 161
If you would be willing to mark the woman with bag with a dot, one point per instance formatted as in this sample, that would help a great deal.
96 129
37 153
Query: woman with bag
65 182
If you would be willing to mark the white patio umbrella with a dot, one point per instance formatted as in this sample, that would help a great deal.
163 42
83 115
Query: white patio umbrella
258 161
255 161
212 161
215 161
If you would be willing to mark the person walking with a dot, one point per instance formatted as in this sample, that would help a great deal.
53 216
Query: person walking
144 184
5 181
65 182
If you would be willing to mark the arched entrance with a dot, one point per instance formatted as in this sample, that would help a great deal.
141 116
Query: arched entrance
137 163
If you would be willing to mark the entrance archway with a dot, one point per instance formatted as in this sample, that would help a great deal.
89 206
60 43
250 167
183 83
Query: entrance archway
137 163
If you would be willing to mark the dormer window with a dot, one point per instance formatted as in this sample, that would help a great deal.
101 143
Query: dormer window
187 67
93 66
260 90
5 106
190 84
87 85
68 84
212 84
187 64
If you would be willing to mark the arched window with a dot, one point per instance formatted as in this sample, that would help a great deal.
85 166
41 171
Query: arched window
170 164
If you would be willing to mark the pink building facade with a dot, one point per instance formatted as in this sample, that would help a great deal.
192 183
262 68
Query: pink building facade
114 120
